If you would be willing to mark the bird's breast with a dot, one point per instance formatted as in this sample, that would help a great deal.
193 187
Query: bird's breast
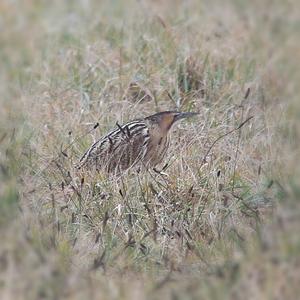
157 148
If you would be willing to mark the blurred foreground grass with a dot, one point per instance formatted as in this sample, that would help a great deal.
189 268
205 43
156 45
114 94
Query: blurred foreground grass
223 227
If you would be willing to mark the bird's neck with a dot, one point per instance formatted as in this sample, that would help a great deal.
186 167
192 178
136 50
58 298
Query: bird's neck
159 133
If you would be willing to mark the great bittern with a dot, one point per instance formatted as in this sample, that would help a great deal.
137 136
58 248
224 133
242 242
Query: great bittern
142 141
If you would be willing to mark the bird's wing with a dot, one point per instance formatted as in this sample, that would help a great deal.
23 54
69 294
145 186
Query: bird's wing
93 151
120 148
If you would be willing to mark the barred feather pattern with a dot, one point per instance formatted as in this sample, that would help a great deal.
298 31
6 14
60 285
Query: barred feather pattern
120 149
144 141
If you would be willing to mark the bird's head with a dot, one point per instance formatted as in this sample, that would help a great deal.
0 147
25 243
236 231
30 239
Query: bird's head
166 119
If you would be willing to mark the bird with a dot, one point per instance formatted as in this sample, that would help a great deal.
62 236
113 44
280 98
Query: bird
143 141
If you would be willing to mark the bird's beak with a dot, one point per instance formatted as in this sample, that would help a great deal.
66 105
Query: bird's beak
184 115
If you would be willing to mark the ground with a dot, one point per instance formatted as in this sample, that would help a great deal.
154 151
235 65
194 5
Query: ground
223 223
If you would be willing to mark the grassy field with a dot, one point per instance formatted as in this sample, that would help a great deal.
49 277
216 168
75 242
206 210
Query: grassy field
224 223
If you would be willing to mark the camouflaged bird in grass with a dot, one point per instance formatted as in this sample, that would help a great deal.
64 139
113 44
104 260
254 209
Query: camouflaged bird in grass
142 141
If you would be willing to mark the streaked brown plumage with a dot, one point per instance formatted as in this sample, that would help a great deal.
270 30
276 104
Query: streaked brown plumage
143 141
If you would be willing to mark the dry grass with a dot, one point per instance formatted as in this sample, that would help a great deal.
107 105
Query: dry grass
224 223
